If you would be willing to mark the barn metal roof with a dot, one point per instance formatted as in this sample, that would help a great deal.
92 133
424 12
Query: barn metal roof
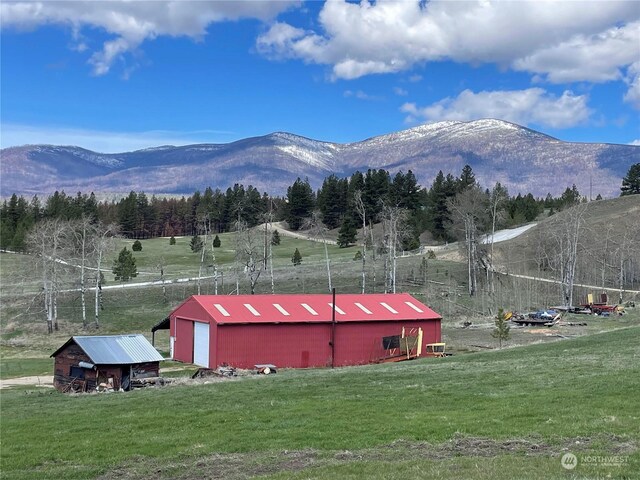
115 349
313 308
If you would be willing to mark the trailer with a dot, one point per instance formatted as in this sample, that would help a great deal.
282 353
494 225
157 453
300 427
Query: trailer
600 307
546 318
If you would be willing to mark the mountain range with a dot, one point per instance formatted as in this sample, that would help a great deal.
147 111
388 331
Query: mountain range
522 159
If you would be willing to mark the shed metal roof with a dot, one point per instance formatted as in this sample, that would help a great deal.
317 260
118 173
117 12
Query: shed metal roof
115 349
313 308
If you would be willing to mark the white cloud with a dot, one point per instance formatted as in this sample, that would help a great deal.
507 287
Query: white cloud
595 58
635 142
415 78
401 92
360 95
364 38
132 22
525 107
104 141
633 80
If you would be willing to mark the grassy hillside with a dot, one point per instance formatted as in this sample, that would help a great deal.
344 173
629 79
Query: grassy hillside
503 414
25 347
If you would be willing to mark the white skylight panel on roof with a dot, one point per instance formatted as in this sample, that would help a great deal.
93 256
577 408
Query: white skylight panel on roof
388 307
280 309
251 309
222 310
338 309
419 310
364 309
309 309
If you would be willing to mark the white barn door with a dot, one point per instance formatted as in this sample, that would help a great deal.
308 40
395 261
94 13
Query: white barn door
201 344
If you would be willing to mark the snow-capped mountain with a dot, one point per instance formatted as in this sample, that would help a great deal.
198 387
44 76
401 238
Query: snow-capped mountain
522 159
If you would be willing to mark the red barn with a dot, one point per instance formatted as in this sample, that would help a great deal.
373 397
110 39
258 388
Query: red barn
298 331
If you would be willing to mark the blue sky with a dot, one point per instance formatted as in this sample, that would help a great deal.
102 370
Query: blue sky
116 76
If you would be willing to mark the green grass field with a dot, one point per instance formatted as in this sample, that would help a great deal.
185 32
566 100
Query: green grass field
500 414
482 414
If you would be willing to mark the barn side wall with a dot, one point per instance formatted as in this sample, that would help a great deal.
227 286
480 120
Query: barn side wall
359 343
308 345
294 345
71 356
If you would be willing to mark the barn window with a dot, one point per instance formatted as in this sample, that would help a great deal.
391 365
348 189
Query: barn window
76 372
391 342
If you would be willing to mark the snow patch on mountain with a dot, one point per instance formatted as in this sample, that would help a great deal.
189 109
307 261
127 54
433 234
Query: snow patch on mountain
314 158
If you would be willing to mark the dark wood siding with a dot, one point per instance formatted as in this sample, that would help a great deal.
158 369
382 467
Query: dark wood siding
84 379
70 357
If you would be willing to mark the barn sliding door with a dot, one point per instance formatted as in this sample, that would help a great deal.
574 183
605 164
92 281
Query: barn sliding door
201 344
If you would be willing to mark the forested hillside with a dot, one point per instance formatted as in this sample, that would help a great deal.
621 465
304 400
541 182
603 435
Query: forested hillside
141 216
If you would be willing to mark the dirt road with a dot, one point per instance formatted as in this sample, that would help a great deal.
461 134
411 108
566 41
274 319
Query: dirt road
36 381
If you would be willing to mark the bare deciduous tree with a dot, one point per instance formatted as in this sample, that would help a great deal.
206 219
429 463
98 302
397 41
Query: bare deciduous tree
46 241
82 232
362 213
499 195
564 234
248 253
317 229
469 210
103 243
395 229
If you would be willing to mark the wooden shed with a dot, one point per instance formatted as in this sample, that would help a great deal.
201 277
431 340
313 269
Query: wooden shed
299 331
85 362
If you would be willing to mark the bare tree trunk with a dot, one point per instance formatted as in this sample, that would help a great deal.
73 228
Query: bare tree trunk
103 242
373 253
362 213
326 256
273 287
318 229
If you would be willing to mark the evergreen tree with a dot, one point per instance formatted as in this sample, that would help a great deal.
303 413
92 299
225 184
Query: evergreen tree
216 242
631 183
467 178
501 331
196 243
172 240
124 267
275 238
441 190
127 214
137 246
297 257
404 191
300 203
332 201
348 232
570 197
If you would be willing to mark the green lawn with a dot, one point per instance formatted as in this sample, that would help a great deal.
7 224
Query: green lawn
498 414
180 261
23 367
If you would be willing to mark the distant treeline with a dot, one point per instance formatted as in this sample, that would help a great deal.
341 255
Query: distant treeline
141 216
